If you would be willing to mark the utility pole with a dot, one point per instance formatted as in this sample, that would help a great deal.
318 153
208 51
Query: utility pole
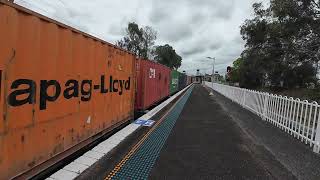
212 58
212 79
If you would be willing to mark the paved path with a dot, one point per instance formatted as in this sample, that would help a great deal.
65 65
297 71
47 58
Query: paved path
207 144
209 137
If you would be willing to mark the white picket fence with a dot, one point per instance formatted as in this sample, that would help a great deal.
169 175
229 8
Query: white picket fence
300 119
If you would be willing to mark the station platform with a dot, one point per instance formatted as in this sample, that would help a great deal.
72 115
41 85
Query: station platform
204 136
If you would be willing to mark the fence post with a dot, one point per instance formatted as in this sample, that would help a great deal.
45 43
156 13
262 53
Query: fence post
316 146
244 98
266 100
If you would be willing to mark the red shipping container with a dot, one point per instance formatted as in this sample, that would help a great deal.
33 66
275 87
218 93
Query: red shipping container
152 83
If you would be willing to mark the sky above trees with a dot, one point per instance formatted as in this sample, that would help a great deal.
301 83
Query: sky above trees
195 28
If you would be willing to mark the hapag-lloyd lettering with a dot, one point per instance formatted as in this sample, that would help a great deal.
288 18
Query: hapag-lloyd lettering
24 91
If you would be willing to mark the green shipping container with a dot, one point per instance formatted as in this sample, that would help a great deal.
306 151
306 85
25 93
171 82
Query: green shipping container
174 81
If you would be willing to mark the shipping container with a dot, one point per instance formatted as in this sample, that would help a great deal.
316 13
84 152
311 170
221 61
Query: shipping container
174 81
182 81
152 83
189 80
193 79
60 90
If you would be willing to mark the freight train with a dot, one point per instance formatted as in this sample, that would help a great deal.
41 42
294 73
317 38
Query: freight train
62 89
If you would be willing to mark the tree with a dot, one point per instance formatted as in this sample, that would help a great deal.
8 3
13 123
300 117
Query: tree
282 41
235 73
166 55
149 36
139 41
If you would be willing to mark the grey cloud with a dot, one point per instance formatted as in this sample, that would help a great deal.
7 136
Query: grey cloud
177 33
198 17
118 29
195 28
216 9
199 46
181 24
214 46
158 14
190 51
224 10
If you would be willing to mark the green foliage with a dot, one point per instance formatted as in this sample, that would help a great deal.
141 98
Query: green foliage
282 44
166 55
235 73
221 78
139 41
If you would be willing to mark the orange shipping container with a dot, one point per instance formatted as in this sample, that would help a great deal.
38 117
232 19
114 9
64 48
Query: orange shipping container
59 89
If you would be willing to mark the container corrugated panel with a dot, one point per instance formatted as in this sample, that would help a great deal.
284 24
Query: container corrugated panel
189 80
182 81
59 87
174 81
152 83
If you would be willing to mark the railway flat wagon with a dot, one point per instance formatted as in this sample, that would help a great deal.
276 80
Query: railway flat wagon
152 83
182 81
60 90
174 80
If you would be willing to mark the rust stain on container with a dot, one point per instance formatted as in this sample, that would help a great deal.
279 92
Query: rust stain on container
58 88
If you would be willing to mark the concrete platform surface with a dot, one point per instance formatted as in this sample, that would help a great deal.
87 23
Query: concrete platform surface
208 137
206 143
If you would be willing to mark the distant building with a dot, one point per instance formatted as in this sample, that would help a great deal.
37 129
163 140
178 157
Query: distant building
198 79
208 77
215 78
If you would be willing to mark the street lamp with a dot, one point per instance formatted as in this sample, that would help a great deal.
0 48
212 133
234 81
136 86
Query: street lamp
214 59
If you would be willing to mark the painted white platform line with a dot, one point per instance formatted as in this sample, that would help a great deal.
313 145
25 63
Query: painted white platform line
75 168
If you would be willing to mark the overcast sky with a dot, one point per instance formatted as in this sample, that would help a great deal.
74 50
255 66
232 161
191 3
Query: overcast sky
195 28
